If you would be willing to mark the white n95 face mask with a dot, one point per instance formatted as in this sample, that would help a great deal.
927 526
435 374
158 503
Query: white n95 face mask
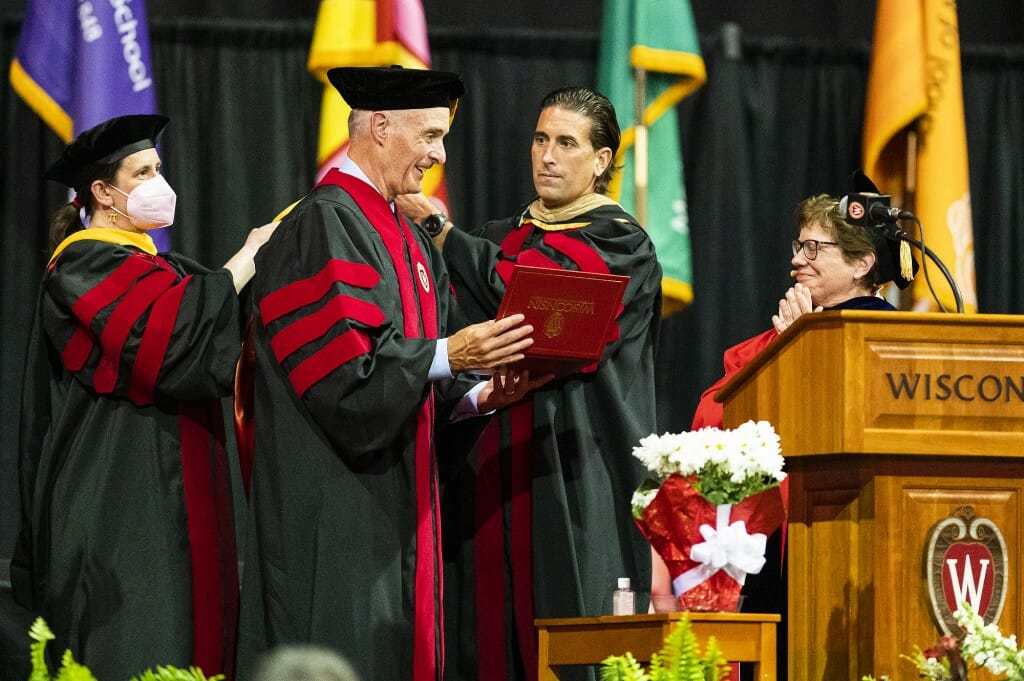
150 204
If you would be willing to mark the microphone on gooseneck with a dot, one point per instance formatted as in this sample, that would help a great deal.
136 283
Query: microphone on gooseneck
868 210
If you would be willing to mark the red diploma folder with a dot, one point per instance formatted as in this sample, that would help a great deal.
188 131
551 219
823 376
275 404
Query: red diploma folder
572 314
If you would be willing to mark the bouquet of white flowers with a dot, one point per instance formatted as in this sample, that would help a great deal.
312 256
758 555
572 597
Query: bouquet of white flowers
713 498
980 645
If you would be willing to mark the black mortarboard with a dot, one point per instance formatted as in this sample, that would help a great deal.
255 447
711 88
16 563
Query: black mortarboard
386 88
105 143
895 263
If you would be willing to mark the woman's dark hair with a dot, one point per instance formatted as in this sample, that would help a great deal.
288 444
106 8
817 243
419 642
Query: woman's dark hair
66 219
604 127
854 241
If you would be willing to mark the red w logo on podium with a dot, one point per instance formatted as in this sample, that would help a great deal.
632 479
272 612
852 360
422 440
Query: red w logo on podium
966 561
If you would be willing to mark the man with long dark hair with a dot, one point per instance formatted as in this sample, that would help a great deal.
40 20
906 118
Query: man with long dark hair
538 517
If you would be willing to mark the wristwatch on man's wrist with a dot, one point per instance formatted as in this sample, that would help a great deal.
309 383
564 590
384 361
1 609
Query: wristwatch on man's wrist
434 223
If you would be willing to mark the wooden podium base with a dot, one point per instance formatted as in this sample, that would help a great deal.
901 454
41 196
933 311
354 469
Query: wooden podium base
858 532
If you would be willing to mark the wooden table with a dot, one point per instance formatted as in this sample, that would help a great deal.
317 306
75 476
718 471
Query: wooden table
742 637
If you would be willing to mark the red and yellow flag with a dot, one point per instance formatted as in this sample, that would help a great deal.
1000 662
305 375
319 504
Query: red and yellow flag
915 84
364 33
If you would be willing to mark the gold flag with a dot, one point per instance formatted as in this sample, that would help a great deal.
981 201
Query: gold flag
915 85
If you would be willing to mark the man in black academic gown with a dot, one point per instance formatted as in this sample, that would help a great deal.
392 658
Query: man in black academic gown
352 306
538 520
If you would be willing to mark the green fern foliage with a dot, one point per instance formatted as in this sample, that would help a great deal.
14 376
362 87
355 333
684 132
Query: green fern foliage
714 664
41 634
69 669
73 671
679 660
622 668
175 674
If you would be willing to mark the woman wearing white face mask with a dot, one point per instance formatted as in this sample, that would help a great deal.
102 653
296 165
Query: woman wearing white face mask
127 540
150 205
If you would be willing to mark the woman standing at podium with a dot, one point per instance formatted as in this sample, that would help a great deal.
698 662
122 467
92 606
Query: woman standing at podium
837 266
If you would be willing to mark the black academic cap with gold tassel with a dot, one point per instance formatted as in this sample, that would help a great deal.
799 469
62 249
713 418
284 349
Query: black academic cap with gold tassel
895 262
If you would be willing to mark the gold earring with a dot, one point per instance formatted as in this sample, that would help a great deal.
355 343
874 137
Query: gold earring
112 218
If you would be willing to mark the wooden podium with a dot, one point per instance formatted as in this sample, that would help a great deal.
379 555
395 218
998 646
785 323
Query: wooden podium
889 422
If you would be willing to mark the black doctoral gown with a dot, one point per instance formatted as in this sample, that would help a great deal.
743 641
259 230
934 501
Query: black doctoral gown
537 520
343 546
127 541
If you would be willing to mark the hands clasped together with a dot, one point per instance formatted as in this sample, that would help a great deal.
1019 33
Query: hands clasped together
796 304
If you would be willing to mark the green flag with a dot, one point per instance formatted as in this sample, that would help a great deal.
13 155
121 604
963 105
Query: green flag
660 37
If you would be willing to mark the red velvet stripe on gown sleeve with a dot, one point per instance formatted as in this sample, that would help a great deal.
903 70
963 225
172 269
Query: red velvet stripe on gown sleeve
76 352
307 291
308 328
504 270
132 306
315 325
111 287
104 293
337 352
155 339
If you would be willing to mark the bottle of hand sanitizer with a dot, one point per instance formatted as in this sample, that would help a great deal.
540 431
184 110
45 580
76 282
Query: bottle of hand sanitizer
623 599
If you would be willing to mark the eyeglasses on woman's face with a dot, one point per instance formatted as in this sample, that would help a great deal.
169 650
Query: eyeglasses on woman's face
810 247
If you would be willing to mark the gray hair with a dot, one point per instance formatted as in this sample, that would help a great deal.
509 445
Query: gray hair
358 122
303 663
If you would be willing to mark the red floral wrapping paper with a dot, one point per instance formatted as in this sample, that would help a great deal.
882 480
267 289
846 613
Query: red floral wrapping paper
672 521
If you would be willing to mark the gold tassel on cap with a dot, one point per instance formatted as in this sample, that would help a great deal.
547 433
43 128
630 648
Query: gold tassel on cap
906 263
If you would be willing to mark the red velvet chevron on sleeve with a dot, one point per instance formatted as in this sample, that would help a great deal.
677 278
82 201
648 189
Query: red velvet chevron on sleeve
305 291
131 307
308 328
85 309
155 340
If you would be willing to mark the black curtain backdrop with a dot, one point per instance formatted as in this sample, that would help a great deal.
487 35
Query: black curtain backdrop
779 119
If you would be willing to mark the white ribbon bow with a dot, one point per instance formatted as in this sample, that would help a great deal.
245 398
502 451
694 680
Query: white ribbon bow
726 547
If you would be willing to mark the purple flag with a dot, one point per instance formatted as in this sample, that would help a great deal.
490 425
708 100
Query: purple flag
81 62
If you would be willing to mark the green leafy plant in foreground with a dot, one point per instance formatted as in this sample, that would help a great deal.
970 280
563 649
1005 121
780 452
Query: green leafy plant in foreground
679 660
73 671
